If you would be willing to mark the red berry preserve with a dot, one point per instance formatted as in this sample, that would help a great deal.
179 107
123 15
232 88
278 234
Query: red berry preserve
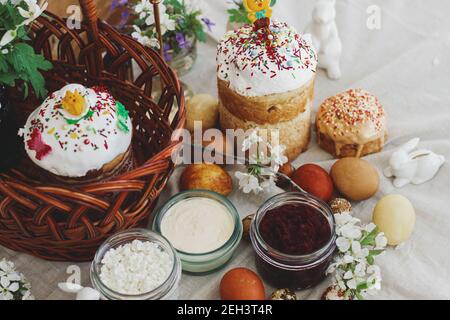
294 239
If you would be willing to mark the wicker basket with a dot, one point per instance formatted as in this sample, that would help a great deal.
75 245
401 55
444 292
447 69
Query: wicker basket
67 223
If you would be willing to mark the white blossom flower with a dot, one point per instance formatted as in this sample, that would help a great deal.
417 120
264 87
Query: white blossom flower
355 273
167 24
8 37
374 270
374 280
343 244
348 259
356 247
33 12
351 284
381 242
348 275
262 171
360 270
350 231
251 140
6 295
341 284
345 218
277 156
370 227
248 183
144 8
143 39
11 282
363 254
6 284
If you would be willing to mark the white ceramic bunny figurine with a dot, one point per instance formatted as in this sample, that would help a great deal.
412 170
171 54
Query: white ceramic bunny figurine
83 293
325 34
416 167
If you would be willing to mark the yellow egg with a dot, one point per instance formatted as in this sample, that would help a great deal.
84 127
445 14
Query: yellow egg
395 216
203 108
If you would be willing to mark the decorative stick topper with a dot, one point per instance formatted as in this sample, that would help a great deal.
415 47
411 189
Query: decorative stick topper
259 12
157 14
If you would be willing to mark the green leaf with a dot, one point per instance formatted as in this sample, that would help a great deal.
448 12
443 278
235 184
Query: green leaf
238 15
362 286
26 89
27 64
8 79
370 260
3 64
370 238
201 35
375 253
273 2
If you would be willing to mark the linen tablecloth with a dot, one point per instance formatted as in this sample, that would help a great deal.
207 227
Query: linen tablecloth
406 63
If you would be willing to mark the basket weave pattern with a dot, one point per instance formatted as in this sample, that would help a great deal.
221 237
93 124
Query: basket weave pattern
67 223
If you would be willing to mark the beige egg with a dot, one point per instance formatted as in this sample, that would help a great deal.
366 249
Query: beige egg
204 108
356 179
395 216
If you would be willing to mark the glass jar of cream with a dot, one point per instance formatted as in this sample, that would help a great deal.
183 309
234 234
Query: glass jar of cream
203 226
143 260
293 235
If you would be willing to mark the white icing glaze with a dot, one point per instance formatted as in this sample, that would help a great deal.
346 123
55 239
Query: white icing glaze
78 148
254 68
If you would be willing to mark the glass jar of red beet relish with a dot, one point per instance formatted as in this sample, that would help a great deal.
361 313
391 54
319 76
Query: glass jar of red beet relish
294 238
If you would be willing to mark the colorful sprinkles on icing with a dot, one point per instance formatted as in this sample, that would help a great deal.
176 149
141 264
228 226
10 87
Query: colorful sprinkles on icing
345 112
258 53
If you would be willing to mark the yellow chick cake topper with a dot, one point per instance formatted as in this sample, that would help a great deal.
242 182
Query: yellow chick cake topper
73 103
259 12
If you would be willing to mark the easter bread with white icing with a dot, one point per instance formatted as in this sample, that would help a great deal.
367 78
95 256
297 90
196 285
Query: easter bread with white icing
79 134
266 80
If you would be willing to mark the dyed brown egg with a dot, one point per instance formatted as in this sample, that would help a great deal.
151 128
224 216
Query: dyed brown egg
206 177
314 180
241 284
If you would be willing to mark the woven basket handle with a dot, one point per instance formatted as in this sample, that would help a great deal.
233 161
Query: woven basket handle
90 16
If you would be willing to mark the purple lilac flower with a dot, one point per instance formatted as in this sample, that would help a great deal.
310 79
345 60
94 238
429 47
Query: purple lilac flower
182 42
125 15
118 3
166 49
209 24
